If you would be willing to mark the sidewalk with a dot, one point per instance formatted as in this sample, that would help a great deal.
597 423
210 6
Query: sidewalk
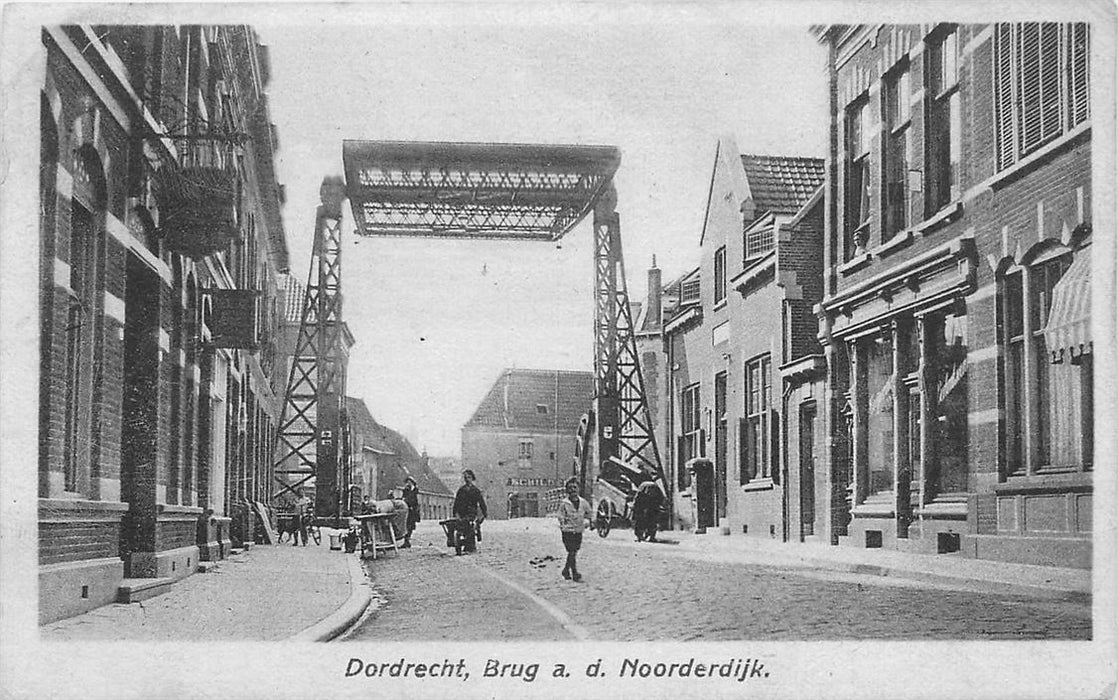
939 568
268 592
881 562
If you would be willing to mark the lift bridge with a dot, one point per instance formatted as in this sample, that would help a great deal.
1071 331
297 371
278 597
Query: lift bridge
466 191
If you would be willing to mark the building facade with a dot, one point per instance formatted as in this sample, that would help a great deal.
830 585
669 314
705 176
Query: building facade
520 442
157 403
729 348
955 315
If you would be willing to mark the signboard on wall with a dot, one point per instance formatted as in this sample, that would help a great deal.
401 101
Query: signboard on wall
514 481
234 318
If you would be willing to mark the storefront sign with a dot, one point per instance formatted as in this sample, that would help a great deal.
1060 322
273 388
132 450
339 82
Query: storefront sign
512 481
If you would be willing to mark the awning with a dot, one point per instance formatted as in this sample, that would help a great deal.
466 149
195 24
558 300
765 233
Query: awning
1069 320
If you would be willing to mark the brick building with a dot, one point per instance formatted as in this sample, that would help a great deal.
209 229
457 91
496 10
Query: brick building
955 316
520 442
747 323
161 244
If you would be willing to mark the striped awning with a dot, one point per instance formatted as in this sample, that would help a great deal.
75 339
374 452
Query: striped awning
1069 321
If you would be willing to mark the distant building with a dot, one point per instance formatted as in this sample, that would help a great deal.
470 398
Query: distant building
448 469
520 442
381 459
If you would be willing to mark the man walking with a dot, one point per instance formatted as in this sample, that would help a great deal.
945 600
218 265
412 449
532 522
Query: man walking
469 507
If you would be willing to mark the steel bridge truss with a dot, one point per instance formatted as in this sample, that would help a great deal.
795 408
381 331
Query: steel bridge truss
627 451
308 441
467 190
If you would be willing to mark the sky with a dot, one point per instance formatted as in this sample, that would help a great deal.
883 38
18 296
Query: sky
437 321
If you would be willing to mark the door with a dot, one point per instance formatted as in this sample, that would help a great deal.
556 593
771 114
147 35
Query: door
139 408
807 470
703 485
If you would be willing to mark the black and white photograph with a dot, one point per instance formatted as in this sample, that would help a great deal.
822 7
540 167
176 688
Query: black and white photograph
510 350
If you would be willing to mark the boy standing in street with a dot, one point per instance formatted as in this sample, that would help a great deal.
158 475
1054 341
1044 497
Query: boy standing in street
573 512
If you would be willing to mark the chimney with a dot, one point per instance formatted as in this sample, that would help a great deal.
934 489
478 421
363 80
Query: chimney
655 294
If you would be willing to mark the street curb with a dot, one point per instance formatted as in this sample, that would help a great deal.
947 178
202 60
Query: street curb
342 619
1048 588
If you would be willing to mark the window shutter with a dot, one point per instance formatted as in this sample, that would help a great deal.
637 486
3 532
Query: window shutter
1029 51
1079 72
774 449
743 449
1050 81
1003 95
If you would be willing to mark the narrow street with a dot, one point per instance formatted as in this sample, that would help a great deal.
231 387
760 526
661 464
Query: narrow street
509 591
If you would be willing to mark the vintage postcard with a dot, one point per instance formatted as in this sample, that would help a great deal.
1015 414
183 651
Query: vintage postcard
469 349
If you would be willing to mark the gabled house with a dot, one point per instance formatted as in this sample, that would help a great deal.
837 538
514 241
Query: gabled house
520 441
761 250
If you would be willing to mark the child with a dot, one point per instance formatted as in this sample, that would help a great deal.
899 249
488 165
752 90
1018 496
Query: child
573 511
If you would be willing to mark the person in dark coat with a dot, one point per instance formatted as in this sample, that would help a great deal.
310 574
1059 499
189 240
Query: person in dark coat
469 508
646 510
411 497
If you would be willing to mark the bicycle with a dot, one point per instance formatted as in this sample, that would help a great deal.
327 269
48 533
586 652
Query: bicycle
313 530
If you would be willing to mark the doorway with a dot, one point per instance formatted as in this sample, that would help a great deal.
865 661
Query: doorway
139 410
702 474
807 470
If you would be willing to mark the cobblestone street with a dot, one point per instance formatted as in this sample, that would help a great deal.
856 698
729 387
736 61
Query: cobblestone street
646 592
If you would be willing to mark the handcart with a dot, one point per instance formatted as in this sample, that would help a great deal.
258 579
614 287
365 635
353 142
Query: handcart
452 528
377 534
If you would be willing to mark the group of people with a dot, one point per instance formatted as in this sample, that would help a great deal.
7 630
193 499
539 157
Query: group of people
469 511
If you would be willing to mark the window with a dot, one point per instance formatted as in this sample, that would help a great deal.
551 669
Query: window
898 117
758 241
756 457
1047 404
689 291
1041 84
525 451
857 181
942 135
690 426
541 409
719 274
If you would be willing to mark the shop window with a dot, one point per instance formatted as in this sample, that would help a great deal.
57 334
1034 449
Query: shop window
946 354
857 180
875 357
756 457
942 136
1041 84
1048 403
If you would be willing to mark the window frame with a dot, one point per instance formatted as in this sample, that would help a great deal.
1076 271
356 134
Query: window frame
942 116
690 439
897 108
756 446
525 449
1025 367
1013 84
719 275
856 141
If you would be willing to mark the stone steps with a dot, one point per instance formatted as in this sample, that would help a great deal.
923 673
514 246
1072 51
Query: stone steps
132 590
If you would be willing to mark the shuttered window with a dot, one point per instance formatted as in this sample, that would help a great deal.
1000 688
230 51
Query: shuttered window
1041 84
